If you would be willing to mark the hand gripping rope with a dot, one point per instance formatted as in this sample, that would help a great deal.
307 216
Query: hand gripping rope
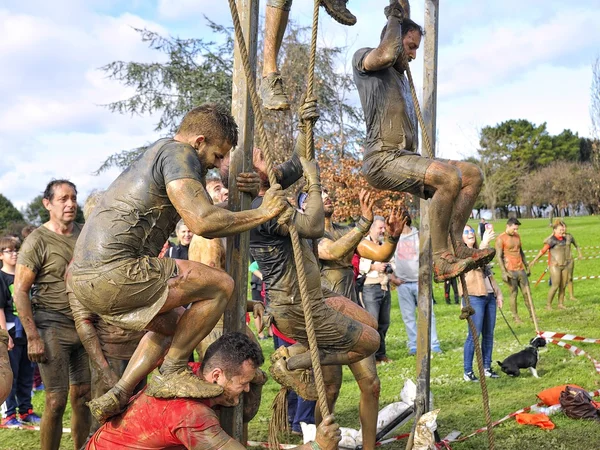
264 143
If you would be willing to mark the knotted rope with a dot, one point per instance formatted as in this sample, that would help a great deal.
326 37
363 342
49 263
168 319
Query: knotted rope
264 143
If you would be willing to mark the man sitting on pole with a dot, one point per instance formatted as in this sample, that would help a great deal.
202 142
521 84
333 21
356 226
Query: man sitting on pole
390 159
116 272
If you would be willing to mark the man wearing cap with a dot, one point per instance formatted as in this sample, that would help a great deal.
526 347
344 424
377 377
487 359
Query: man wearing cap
513 265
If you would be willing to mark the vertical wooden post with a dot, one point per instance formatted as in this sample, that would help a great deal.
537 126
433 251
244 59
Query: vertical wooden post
241 161
425 257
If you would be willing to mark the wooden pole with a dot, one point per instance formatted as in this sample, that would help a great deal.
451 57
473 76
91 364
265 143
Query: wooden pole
241 161
424 303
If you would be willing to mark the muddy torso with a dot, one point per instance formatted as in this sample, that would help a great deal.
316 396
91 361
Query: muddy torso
387 105
560 250
511 248
48 254
273 252
135 217
338 276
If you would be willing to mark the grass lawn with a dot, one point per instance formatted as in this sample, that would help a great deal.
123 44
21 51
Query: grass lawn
460 402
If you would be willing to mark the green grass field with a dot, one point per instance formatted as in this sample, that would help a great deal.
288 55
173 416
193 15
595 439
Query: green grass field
460 402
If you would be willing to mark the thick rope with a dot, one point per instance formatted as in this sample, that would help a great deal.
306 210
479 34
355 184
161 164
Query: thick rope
310 138
264 143
469 310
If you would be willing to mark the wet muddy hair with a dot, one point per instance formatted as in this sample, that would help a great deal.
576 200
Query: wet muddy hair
229 353
51 187
406 26
213 121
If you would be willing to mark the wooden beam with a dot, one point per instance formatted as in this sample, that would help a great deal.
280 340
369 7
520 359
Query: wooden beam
241 161
424 303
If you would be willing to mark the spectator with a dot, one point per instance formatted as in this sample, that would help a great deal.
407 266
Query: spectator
407 279
20 394
184 237
451 284
376 289
484 296
47 318
482 225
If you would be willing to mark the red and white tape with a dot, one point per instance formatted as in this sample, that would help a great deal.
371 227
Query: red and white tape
567 337
511 415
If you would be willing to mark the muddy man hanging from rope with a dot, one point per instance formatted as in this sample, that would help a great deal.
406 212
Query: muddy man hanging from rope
272 90
391 160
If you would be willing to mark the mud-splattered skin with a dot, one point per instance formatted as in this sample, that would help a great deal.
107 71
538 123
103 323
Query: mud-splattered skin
135 217
390 159
560 264
6 374
338 275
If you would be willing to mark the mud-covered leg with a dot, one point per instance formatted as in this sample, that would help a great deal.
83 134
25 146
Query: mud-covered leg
365 373
6 374
80 418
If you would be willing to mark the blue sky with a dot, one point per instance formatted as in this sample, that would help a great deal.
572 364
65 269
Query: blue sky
497 61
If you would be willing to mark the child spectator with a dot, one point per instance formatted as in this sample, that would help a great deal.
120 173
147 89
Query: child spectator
20 395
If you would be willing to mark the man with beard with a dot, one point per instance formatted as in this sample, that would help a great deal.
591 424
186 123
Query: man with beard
116 272
390 160
232 362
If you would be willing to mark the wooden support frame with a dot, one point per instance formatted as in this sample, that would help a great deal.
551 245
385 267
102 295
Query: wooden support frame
241 161
424 304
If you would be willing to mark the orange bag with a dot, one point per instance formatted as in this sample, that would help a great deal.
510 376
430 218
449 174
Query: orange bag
551 396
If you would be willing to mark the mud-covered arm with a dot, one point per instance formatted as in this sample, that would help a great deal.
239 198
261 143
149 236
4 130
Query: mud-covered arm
538 256
331 250
390 47
500 254
311 224
394 225
576 246
24 279
203 218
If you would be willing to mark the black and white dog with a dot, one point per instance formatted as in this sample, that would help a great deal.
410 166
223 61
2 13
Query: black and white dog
525 359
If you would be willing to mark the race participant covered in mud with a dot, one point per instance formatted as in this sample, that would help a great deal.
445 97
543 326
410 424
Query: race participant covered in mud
52 339
344 330
391 160
560 262
336 249
109 347
116 272
232 362
513 265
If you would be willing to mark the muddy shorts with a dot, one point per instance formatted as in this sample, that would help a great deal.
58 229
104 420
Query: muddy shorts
127 294
67 361
336 333
397 170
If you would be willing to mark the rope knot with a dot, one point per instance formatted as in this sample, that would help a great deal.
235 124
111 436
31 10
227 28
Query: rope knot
466 311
